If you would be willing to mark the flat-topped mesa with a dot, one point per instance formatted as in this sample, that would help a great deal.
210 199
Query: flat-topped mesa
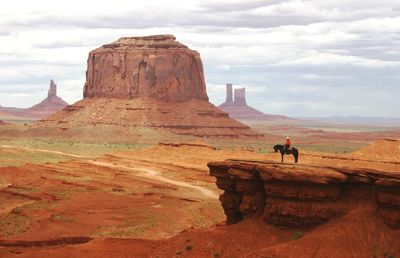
240 97
156 41
157 67
150 82
229 96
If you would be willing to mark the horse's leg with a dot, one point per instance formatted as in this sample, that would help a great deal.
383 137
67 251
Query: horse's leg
296 156
282 157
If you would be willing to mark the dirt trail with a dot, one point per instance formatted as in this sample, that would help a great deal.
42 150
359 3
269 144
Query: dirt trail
8 209
152 174
148 173
45 151
143 210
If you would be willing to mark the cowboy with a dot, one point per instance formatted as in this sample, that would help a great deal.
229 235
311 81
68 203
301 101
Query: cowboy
287 144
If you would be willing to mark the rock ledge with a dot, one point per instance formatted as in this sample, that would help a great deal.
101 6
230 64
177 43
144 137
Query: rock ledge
303 195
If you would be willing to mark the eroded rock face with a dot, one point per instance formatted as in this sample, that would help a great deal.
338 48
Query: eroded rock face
388 199
195 117
145 83
300 195
52 90
155 66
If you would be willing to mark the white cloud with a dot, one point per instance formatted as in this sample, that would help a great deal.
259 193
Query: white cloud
287 53
320 58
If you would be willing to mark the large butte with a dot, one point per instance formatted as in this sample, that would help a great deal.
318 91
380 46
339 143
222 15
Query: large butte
153 82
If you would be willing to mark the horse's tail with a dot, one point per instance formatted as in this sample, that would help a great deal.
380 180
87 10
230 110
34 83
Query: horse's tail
296 155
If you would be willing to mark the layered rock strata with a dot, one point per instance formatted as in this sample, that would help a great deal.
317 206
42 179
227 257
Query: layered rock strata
147 82
155 66
301 195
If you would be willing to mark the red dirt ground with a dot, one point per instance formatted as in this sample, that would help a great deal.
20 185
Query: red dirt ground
160 202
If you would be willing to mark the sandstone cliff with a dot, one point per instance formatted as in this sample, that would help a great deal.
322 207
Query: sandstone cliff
303 195
154 66
147 82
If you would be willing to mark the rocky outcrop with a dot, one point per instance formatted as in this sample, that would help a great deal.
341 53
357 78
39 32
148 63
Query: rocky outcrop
147 82
45 108
155 66
49 105
301 195
237 107
240 97
52 90
229 95
388 199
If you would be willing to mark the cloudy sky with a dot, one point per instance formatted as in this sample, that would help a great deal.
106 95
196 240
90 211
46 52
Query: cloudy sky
296 58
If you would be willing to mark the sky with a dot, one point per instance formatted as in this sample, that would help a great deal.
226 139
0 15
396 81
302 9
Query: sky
295 58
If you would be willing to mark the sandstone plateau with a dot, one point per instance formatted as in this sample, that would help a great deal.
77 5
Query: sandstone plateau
147 82
45 108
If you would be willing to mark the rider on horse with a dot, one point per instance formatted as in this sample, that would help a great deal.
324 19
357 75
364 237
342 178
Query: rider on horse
286 149
287 144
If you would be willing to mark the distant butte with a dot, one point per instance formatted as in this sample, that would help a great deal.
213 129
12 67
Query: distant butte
45 108
147 82
49 105
237 108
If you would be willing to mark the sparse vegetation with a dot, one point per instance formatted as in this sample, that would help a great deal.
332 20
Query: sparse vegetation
14 224
297 235
39 205
22 150
62 218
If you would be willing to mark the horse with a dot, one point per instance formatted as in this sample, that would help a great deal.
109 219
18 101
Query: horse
293 151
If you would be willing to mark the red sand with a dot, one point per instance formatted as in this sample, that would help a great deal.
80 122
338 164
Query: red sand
156 202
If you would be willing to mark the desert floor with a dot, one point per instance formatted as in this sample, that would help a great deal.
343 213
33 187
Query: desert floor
67 198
